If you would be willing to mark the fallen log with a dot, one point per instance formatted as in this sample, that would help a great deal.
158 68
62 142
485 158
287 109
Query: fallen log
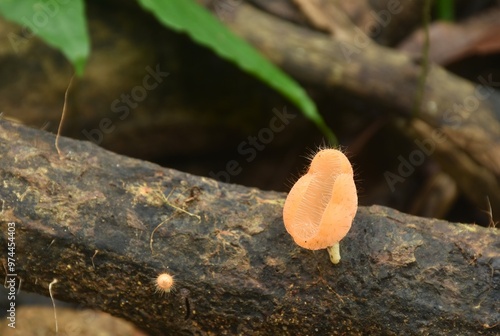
84 222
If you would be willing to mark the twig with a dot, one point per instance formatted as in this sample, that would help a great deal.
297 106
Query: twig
53 303
63 115
425 60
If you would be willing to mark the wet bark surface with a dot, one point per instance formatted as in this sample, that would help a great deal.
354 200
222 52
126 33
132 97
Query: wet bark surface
86 217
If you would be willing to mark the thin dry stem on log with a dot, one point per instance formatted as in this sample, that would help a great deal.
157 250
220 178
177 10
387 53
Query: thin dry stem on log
86 218
462 114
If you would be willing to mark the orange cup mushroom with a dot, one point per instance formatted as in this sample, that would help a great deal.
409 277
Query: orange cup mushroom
321 206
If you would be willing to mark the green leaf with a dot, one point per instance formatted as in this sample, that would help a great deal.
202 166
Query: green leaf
189 17
446 10
61 24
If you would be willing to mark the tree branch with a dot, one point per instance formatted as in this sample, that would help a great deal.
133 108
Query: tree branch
463 115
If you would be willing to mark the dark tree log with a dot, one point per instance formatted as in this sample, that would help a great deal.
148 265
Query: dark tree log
85 218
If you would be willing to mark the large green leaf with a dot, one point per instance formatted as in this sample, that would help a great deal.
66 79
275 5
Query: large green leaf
61 24
187 16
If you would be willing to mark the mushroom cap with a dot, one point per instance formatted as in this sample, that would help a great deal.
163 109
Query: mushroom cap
320 207
164 283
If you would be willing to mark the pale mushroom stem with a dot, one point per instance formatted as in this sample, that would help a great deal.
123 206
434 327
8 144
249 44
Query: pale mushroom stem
334 252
